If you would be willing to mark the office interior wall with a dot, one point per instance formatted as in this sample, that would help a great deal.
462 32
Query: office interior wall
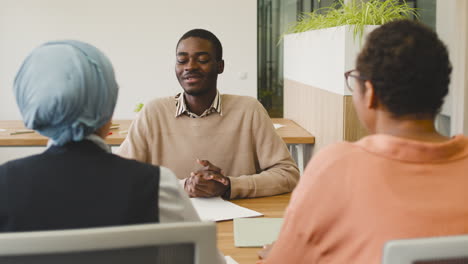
353 130
317 110
139 37
452 28
315 94
329 116
445 27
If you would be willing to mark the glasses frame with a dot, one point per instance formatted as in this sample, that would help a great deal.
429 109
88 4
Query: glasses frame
350 74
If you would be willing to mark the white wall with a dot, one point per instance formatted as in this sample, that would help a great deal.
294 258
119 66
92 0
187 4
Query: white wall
446 29
319 58
452 27
139 36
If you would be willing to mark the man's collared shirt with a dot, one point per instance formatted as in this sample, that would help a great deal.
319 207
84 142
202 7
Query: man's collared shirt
181 107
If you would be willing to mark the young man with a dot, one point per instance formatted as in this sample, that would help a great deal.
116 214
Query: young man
223 145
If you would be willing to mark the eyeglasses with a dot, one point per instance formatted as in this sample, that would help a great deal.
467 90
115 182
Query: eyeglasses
352 84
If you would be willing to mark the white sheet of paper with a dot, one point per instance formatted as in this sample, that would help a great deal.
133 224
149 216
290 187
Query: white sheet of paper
278 126
2 130
256 232
230 260
217 209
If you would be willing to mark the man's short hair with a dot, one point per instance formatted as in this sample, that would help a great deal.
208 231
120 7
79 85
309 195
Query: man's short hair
205 34
409 67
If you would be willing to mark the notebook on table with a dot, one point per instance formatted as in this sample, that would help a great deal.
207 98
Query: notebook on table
256 232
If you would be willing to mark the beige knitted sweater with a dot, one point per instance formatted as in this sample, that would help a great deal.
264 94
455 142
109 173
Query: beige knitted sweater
242 142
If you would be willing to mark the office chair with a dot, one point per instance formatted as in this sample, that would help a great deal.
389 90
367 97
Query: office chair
436 250
181 243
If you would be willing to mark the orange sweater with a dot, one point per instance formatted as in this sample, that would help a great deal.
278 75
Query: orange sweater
242 142
354 197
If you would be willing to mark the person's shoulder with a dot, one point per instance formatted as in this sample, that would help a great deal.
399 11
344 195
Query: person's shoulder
20 162
245 105
330 165
158 108
337 153
22 165
241 101
161 102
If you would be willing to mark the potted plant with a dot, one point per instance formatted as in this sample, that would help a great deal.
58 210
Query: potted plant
357 13
318 49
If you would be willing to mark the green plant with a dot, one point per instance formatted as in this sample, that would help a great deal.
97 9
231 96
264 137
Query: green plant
138 107
357 13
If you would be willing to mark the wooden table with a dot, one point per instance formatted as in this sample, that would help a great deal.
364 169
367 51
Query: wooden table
299 141
273 206
291 133
269 206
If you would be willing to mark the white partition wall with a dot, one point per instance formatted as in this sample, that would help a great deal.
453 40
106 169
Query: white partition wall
452 27
315 95
139 36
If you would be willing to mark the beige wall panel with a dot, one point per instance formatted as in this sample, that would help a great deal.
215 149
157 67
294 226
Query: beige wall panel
318 111
353 130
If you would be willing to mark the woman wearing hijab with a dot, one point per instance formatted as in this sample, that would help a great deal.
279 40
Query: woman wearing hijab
66 91
405 180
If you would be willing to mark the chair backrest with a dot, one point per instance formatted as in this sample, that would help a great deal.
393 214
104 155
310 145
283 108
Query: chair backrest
436 250
185 242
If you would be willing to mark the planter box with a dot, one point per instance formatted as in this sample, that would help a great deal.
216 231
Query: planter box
319 58
315 94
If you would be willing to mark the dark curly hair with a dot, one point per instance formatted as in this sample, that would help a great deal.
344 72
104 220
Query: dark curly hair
207 35
409 67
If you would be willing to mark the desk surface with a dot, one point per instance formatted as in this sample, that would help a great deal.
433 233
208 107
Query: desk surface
273 206
291 133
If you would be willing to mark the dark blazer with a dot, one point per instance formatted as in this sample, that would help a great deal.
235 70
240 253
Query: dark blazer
78 185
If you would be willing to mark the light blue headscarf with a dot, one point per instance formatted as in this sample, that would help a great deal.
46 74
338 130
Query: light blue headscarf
66 90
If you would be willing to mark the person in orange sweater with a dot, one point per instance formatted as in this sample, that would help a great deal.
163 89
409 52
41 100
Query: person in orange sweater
404 180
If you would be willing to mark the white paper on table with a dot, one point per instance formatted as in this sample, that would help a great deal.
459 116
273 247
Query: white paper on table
2 130
278 126
230 260
217 209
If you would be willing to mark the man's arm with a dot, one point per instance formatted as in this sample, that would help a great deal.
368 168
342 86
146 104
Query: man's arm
279 173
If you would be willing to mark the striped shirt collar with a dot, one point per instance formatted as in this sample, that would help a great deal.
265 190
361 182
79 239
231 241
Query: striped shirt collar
181 107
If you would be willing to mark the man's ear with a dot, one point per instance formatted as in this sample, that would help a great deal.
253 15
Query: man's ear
220 66
370 99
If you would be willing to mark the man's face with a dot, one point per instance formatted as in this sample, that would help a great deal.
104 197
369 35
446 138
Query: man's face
196 66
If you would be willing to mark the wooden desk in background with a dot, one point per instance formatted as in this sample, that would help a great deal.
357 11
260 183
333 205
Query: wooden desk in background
291 133
271 207
299 141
